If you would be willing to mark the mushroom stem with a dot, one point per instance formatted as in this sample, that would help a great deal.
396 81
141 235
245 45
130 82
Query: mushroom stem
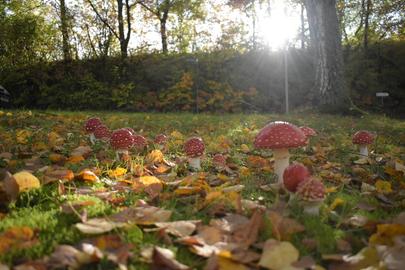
195 163
363 150
312 208
281 161
118 152
92 138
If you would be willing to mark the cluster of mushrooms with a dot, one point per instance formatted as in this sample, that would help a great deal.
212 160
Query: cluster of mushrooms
278 136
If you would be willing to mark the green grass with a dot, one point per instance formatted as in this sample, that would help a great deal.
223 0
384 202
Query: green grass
40 209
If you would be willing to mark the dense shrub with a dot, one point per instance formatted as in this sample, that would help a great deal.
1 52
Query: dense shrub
224 80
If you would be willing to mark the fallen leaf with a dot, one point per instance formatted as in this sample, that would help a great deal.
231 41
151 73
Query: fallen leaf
383 187
17 238
88 176
163 258
98 225
83 151
155 156
53 175
26 181
282 227
117 172
278 255
181 228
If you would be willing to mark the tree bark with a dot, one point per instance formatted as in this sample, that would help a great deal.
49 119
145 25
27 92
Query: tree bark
163 34
302 27
366 24
331 93
64 29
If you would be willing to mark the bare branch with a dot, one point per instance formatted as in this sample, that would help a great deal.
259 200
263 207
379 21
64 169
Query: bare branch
102 19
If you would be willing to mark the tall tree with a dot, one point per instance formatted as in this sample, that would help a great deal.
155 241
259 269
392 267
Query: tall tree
161 9
64 29
123 20
326 43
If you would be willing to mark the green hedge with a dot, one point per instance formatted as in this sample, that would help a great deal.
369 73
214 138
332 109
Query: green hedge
226 81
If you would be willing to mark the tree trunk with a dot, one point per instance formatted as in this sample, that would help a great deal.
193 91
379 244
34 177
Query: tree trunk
163 33
64 29
331 93
121 33
366 24
302 27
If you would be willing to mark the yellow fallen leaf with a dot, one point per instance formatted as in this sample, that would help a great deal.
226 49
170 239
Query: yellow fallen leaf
386 232
148 180
22 136
54 139
156 156
39 146
177 135
278 255
117 172
244 148
331 189
244 171
75 159
26 181
87 175
56 158
16 237
383 186
337 202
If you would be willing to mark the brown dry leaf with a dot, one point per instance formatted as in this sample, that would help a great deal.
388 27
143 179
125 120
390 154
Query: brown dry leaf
163 258
70 208
257 162
181 228
30 265
66 256
98 225
57 158
282 227
9 186
87 176
367 258
278 255
26 181
55 174
144 215
17 238
83 151
247 234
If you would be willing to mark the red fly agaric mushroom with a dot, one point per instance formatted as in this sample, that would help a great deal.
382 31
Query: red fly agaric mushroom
194 148
308 132
90 126
312 193
121 140
293 175
102 132
139 142
219 162
363 138
280 136
160 141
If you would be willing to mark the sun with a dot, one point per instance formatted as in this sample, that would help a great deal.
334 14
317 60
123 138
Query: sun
280 28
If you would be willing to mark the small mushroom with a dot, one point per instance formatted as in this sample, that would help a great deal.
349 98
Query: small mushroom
293 175
139 142
312 194
102 132
363 138
219 162
160 141
121 140
308 132
194 149
280 136
90 126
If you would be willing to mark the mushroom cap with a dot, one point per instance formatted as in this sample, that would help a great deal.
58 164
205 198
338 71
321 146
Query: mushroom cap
309 132
91 124
219 160
102 132
293 175
363 137
311 190
194 147
130 130
276 135
121 139
139 141
160 139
